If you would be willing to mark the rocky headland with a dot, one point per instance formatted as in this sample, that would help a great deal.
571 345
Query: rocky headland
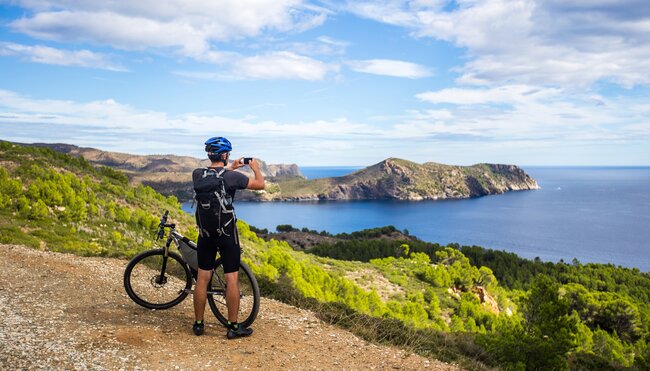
399 179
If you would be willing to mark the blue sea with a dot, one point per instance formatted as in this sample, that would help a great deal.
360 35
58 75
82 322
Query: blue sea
594 214
315 172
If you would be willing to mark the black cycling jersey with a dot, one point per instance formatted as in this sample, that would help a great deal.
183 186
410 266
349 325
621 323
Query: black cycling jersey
233 180
228 243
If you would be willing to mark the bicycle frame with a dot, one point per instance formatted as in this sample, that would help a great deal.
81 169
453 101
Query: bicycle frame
176 237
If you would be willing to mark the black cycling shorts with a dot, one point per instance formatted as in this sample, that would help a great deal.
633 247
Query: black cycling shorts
228 247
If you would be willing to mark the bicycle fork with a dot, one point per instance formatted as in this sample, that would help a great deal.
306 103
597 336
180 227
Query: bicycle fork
161 277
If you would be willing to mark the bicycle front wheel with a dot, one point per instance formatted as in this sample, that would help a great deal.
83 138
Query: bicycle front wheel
249 295
155 281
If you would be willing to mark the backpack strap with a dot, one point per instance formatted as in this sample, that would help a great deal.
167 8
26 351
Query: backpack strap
225 210
207 171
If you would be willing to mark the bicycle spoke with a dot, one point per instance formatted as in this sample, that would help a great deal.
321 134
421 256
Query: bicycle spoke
247 301
152 287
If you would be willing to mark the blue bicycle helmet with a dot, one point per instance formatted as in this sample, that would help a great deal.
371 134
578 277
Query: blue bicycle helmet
218 145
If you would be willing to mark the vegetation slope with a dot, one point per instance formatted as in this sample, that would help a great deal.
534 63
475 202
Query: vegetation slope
429 298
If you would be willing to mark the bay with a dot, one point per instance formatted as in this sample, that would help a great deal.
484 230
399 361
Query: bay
594 214
315 172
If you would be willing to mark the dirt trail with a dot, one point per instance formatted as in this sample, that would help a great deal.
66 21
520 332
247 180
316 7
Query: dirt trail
69 312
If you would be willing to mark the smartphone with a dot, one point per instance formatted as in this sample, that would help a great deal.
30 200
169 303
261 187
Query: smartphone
246 160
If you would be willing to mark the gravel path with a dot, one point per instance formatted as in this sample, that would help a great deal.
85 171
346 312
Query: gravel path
68 312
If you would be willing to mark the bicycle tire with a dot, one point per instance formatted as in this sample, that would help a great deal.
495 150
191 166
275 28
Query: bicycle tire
143 284
249 295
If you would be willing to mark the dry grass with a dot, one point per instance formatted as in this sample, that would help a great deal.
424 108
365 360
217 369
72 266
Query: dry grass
371 280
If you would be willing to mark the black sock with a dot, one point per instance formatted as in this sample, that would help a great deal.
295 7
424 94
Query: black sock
233 325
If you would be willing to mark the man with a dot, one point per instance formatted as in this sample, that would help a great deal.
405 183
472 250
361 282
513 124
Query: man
221 234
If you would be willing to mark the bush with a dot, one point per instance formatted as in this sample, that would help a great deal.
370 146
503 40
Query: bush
116 175
285 228
38 210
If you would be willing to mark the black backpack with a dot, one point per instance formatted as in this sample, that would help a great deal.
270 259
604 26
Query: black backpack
214 210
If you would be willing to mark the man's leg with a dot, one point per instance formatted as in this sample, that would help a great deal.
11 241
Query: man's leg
235 330
200 293
232 295
231 258
206 251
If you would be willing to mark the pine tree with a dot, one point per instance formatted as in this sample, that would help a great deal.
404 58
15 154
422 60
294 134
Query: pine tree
545 336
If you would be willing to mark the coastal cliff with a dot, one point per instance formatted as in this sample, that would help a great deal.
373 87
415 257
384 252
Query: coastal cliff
400 179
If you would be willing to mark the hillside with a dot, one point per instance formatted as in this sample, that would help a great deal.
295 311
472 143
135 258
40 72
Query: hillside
167 174
430 299
405 180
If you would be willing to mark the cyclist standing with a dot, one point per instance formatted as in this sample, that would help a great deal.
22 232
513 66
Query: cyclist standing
218 234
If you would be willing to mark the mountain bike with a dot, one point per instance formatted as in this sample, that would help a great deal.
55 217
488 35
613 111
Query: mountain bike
160 278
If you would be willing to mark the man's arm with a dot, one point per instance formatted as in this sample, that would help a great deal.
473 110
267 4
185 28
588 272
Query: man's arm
258 182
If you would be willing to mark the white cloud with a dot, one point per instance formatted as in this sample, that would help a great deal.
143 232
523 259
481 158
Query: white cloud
558 42
442 114
271 66
193 29
389 67
187 27
523 113
281 65
333 41
509 94
323 45
47 55
391 12
117 117
102 114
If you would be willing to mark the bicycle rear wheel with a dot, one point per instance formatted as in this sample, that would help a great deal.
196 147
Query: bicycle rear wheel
249 294
149 284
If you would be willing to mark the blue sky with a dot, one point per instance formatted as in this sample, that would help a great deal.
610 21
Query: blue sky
544 82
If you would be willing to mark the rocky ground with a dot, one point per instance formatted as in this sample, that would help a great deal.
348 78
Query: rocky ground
61 311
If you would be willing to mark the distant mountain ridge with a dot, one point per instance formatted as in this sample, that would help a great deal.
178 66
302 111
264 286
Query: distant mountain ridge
400 179
167 174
